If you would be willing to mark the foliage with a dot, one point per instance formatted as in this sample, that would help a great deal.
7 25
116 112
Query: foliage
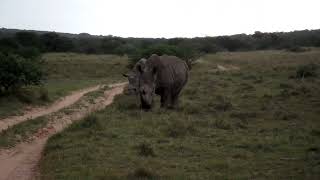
185 53
16 71
185 48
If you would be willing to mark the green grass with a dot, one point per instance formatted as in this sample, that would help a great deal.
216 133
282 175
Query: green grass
254 123
21 132
66 72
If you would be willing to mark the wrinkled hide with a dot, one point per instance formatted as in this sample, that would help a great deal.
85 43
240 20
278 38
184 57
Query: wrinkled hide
164 76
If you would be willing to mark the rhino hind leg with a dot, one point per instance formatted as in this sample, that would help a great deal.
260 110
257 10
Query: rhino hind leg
175 98
165 98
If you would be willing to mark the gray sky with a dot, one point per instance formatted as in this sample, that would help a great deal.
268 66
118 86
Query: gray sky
161 18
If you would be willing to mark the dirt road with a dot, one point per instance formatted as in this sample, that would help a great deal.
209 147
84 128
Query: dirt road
20 162
37 112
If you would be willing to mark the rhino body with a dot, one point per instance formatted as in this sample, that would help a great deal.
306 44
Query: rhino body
164 76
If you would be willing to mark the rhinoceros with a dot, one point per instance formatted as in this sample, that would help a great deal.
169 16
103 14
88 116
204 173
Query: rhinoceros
163 75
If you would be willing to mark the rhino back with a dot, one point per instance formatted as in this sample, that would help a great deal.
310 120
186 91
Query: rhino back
171 72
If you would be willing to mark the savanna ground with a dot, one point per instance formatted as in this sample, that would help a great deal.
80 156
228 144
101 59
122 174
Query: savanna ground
66 72
256 120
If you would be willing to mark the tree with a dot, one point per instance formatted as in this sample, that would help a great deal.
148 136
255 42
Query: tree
53 42
28 39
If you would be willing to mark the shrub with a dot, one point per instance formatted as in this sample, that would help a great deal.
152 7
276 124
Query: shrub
16 71
222 124
222 104
44 94
141 173
28 52
178 128
309 70
145 149
297 49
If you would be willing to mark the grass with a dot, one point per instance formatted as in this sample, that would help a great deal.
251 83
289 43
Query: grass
259 122
66 72
21 132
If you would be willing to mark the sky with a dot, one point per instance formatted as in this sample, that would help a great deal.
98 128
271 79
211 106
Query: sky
160 18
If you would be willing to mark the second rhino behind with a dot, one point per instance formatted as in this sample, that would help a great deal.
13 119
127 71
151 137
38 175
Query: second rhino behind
163 75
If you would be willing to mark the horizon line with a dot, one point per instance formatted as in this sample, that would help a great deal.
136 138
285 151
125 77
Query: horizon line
74 33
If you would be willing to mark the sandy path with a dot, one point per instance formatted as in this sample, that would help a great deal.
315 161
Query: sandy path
227 68
37 112
20 162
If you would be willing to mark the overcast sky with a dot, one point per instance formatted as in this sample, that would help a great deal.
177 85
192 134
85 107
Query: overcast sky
160 18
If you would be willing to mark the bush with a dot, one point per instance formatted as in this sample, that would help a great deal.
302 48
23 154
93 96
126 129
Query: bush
142 173
297 49
16 71
145 149
309 70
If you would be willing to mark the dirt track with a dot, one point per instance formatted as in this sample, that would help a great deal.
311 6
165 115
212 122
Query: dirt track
20 162
37 112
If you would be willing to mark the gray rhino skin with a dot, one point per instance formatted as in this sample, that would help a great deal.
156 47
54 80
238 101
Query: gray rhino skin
164 75
133 77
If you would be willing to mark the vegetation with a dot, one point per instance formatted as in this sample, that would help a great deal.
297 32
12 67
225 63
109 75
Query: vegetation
254 121
16 72
186 48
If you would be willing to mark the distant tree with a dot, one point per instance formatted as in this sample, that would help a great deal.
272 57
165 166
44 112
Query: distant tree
231 44
110 44
184 52
53 42
28 39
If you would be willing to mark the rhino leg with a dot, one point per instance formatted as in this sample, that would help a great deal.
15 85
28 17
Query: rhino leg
175 95
175 98
165 98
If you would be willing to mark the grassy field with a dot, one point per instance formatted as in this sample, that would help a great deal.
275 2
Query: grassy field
257 120
66 72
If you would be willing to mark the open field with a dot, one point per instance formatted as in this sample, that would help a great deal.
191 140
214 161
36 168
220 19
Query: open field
66 72
242 115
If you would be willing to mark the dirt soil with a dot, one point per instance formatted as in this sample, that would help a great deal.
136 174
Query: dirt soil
20 162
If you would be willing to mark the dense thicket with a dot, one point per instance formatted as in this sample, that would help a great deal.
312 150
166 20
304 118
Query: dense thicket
30 43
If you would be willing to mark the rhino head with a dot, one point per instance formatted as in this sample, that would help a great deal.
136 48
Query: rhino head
147 83
133 77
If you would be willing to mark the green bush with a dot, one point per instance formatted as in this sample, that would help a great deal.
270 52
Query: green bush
16 72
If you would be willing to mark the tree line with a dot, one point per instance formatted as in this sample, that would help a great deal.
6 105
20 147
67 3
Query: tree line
20 50
28 42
